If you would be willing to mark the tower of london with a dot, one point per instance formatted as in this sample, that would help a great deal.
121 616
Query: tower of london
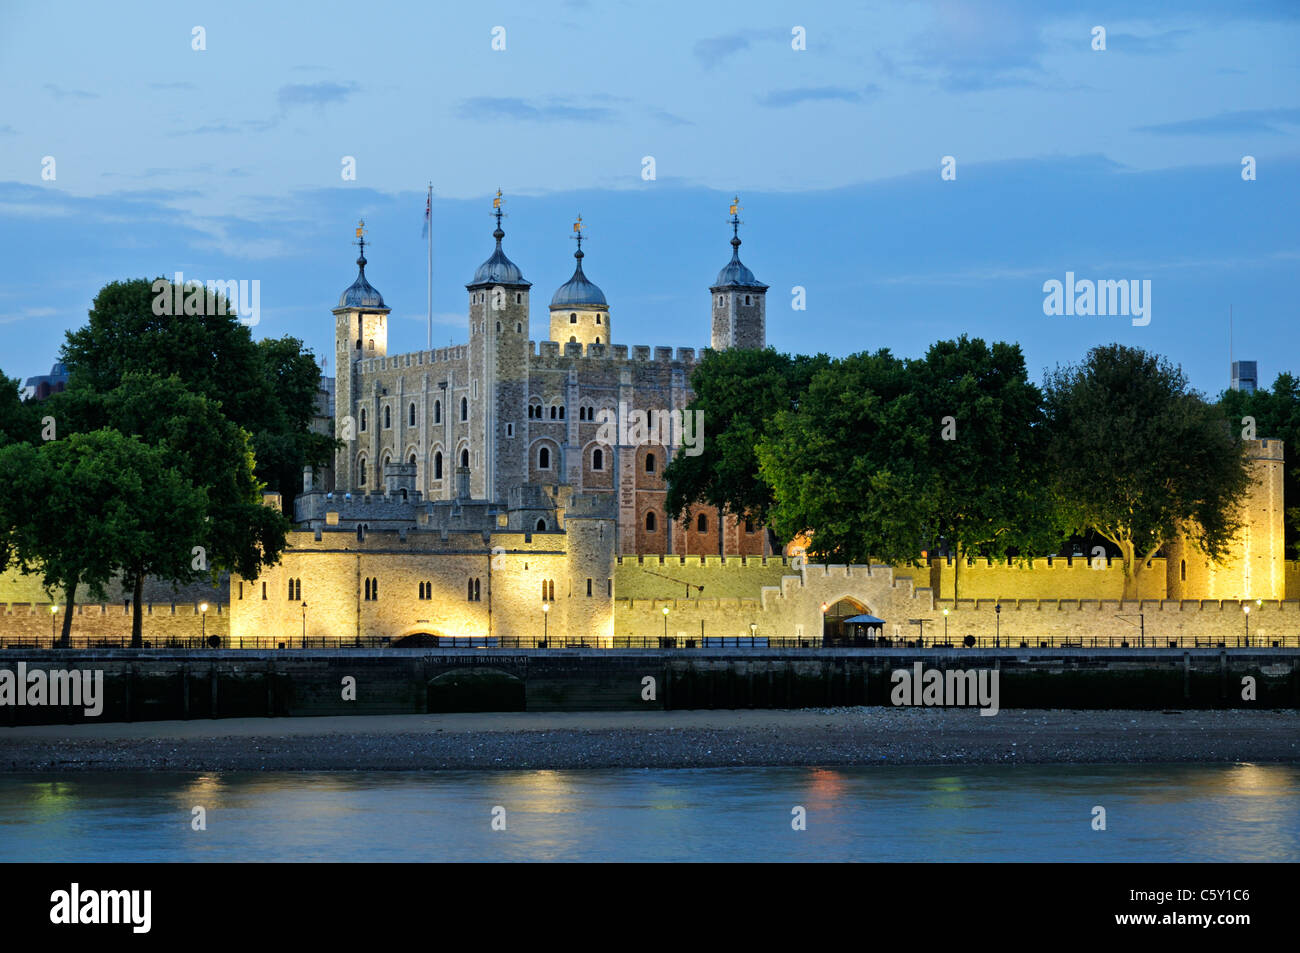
506 411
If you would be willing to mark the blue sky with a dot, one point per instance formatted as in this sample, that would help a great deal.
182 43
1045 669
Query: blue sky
225 163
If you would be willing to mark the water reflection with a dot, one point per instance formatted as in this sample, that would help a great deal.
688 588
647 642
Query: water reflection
1025 812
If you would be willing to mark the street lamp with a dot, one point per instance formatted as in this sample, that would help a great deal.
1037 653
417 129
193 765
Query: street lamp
304 625
945 624
54 614
997 614
1246 609
753 630
665 624
203 626
546 615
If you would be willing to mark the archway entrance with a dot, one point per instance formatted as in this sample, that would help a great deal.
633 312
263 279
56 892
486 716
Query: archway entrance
835 630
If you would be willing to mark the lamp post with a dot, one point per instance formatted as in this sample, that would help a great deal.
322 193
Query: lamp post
1246 610
997 615
825 609
546 615
665 625
753 630
304 625
945 624
54 614
203 625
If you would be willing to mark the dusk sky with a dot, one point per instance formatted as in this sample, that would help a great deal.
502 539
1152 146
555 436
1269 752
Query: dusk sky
225 163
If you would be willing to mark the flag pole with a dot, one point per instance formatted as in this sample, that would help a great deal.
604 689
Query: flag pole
430 211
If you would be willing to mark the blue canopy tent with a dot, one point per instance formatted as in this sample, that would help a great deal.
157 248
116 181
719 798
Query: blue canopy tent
861 626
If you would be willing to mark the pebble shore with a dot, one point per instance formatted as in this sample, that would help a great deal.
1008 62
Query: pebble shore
676 739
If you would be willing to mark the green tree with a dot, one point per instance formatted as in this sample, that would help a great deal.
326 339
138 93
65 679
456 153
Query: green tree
20 420
985 451
286 442
238 533
266 388
1138 457
88 506
848 463
1274 413
738 392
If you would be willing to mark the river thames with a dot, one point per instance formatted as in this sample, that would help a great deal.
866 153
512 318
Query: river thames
1153 812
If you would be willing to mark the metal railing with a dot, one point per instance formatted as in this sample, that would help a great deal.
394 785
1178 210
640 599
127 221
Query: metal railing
154 643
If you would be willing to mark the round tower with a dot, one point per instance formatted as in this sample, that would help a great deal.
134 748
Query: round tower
579 312
739 299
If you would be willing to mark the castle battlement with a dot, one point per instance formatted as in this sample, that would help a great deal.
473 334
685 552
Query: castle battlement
394 362
712 562
571 354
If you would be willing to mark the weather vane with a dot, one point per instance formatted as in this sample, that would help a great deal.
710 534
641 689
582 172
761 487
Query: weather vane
577 231
496 207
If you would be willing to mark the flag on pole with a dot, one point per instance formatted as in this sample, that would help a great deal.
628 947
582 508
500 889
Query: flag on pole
428 214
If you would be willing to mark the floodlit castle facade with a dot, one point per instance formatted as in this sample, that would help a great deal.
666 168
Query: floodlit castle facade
512 412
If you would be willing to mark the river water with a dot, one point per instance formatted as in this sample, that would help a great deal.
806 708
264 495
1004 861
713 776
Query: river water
1171 812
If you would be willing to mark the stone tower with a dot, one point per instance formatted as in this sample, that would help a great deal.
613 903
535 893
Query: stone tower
739 299
1255 566
498 374
579 312
360 332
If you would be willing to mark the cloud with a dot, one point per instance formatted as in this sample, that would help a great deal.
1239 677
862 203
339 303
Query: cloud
779 98
712 50
58 92
1236 121
1155 43
510 107
662 115
27 314
314 94
8 131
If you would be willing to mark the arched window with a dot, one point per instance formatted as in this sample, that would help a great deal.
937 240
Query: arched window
561 411
519 325
412 460
649 463
598 459
650 522
573 340
1182 571
498 327
388 417
437 411
361 472
464 409
541 526
749 526
464 458
410 416
552 412
746 299
370 345
437 465
598 322
597 338
573 318
363 418
702 523
544 458
548 590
